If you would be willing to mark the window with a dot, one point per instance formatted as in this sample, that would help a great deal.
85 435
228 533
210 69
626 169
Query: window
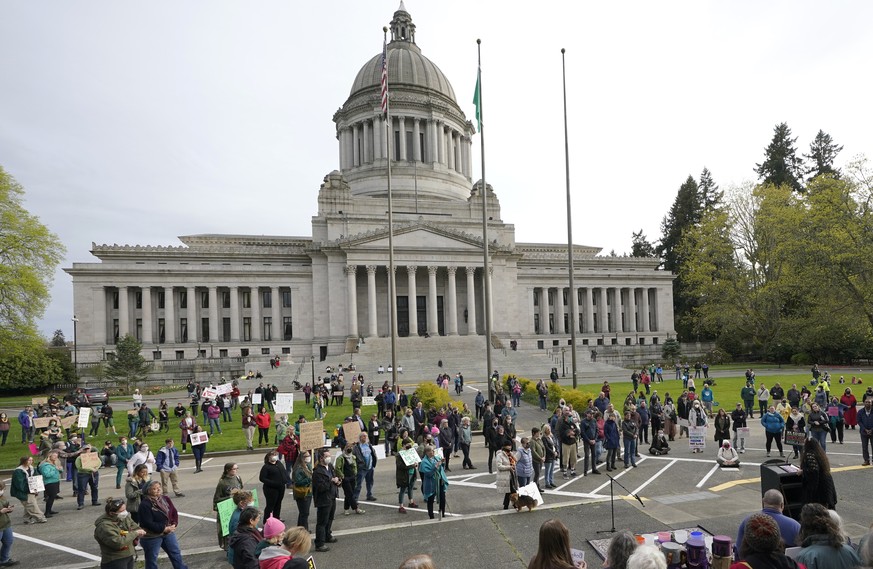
204 299
180 354
286 350
162 335
655 340
409 150
642 341
115 300
286 299
222 353
204 329
183 330
286 328
115 331
247 329
244 352
156 355
265 351
536 299
268 299
138 299
161 300
183 299
139 330
225 329
422 146
585 342
247 299
225 299
396 154
268 328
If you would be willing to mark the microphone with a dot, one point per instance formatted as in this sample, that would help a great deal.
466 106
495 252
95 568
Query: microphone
639 499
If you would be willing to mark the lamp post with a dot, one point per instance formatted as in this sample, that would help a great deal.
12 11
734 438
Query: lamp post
563 365
75 346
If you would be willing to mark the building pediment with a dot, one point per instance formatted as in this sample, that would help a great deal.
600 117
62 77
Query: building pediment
414 235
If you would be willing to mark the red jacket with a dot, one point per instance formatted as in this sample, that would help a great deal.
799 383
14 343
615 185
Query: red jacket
262 420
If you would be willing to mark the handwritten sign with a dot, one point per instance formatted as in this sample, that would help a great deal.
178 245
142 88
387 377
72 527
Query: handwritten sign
352 430
410 457
35 484
199 438
284 403
41 422
208 393
39 401
367 401
90 461
223 389
225 510
697 437
311 435
67 422
256 398
84 416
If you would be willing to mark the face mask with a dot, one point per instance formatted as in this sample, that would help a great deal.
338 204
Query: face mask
274 458
2 492
123 514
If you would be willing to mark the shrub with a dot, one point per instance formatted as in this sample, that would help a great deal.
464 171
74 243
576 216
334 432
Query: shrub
801 359
433 397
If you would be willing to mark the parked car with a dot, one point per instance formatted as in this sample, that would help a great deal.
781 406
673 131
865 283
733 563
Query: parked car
88 396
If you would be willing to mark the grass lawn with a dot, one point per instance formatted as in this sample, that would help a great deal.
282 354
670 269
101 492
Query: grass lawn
231 439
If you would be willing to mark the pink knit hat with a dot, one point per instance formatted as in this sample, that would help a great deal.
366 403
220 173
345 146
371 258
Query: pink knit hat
273 527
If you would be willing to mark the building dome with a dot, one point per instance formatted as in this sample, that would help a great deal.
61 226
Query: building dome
406 66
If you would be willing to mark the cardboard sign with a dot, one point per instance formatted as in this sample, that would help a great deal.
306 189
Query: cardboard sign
410 457
532 491
41 422
284 403
795 438
35 484
132 412
367 401
225 510
67 422
208 393
684 422
198 438
39 401
311 435
697 437
352 430
338 393
84 417
90 461
742 432
256 398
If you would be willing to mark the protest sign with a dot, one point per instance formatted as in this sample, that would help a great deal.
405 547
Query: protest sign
795 438
225 510
67 422
36 484
352 430
256 398
367 401
438 454
311 435
199 438
284 403
410 457
39 401
380 452
84 417
223 389
90 461
310 562
743 432
132 412
532 491
41 422
208 393
697 437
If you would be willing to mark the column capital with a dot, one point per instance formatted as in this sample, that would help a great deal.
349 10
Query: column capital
371 269
432 270
351 270
452 269
410 269
470 270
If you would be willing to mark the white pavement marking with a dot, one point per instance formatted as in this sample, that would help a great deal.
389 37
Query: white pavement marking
56 546
619 475
193 517
652 478
708 474
420 508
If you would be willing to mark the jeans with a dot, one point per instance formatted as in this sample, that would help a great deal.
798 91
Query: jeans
152 546
134 427
588 454
550 473
6 540
630 451
762 406
214 425
739 442
750 409
542 402
303 505
866 444
198 451
88 479
410 484
122 470
610 457
821 436
465 448
364 475
324 523
225 415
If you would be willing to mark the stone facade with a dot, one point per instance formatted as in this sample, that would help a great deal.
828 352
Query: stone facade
239 295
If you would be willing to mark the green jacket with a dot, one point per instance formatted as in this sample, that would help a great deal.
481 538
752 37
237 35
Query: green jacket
347 468
115 536
747 393
537 450
20 488
5 521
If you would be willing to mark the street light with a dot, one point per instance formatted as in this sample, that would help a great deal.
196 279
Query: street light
75 346
563 365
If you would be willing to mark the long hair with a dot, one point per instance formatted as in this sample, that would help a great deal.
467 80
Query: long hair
815 520
554 547
228 467
813 447
621 546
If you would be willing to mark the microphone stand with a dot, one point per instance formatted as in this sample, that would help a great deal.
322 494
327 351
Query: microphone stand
612 502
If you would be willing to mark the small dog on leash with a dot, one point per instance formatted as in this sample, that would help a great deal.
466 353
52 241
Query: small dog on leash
519 502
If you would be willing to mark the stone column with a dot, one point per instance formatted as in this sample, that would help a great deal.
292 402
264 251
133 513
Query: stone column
356 145
644 310
432 321
378 137
367 158
631 310
559 311
147 336
350 147
352 294
193 325
616 310
588 310
658 310
213 314
452 319
234 314
402 122
470 158
169 316
471 302
372 311
544 311
601 310
257 323
416 140
433 151
277 314
412 300
441 143
123 312
450 148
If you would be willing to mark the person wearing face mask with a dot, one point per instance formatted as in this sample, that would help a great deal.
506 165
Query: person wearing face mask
143 456
347 466
115 532
272 476
302 478
325 489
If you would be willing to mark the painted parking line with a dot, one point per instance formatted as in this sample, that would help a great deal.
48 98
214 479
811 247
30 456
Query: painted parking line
654 476
193 517
617 476
708 474
51 545
733 483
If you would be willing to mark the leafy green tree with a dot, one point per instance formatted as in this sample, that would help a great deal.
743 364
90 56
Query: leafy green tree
822 154
29 254
640 246
781 165
26 366
129 367
61 355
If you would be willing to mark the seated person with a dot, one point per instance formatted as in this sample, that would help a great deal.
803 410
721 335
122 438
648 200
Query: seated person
727 456
659 444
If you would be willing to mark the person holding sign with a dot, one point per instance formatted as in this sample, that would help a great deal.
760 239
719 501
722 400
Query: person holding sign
21 491
405 475
229 483
51 470
87 466
433 481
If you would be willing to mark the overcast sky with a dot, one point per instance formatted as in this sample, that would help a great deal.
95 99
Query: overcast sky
135 122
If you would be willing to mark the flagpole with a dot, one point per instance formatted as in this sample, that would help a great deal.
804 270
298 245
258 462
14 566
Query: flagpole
485 255
392 284
573 301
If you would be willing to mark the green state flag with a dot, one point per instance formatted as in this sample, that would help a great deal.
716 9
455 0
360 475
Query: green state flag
478 101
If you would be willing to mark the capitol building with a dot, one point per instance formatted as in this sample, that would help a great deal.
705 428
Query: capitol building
255 296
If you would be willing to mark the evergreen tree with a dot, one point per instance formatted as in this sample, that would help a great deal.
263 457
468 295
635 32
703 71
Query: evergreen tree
128 367
781 166
58 340
709 195
822 153
684 213
640 246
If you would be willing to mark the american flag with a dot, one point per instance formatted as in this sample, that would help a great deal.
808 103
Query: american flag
384 78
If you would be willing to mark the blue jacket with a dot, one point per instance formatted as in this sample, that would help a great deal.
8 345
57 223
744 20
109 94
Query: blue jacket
706 394
167 459
589 429
865 421
773 422
610 433
524 466
788 527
